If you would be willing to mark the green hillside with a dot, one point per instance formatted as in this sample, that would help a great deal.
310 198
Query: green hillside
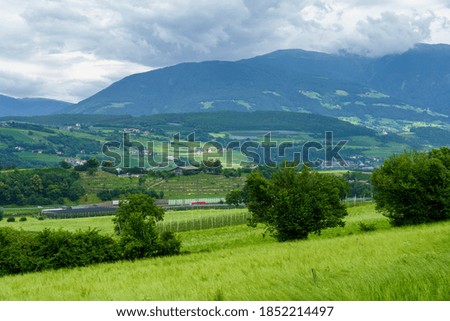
47 140
31 145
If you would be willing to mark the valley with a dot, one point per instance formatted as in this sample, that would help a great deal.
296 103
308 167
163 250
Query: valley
186 137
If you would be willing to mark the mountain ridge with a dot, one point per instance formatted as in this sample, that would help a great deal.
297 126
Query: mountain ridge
413 86
10 106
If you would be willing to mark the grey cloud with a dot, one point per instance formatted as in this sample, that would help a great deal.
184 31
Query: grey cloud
158 33
162 33
19 85
391 33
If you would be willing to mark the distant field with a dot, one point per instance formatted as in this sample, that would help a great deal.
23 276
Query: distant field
54 160
199 186
173 220
237 263
102 180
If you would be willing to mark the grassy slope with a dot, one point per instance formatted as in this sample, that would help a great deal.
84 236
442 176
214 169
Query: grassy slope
39 139
237 263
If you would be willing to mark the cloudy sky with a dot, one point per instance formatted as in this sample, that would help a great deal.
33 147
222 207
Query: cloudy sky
70 49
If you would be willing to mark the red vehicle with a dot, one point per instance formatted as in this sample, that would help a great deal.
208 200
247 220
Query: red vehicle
198 203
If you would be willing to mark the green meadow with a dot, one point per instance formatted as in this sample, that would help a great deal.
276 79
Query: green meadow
237 263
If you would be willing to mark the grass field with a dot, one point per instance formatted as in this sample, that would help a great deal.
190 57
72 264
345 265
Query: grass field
237 263
173 220
200 185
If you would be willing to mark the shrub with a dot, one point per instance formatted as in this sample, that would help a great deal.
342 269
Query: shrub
168 244
234 197
1 215
367 227
22 251
16 252
62 249
23 219
10 219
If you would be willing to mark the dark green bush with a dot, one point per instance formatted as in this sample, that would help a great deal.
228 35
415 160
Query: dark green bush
367 227
65 249
168 244
10 219
22 219
22 251
16 252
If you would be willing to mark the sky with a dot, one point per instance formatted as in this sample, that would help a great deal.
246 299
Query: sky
71 49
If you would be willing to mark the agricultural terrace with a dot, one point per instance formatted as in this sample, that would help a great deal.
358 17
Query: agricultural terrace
199 185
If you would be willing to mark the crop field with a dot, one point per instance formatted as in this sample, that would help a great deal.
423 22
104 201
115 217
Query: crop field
103 180
200 185
238 263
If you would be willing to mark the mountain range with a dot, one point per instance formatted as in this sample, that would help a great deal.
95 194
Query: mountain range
10 106
386 92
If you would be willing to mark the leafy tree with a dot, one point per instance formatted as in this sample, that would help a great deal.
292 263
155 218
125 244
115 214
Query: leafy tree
414 187
292 205
135 222
235 197
75 192
212 166
36 183
92 163
231 172
360 189
65 164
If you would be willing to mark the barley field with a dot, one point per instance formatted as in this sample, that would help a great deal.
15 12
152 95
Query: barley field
238 263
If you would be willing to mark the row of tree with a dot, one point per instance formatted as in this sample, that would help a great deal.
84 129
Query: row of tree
39 186
116 193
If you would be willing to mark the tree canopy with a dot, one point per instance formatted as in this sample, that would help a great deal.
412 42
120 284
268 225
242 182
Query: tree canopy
135 222
39 186
414 187
292 205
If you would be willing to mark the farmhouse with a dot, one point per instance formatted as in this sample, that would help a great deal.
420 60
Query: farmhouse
181 170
